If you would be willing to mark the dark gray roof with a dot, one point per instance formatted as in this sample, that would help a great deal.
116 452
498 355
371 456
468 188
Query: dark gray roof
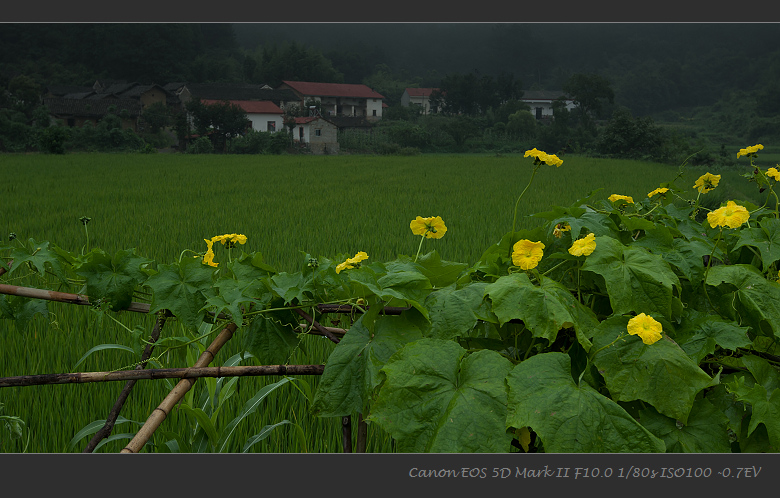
225 91
89 108
62 90
543 94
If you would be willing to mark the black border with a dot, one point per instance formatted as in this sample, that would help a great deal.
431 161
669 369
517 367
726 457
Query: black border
383 474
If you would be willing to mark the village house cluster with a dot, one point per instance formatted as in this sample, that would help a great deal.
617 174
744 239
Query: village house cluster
324 109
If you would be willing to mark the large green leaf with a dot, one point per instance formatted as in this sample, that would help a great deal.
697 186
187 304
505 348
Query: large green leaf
436 398
271 337
40 257
755 302
440 273
292 286
570 418
705 432
22 309
763 396
699 334
453 311
766 239
232 297
660 373
182 288
113 278
352 369
544 310
636 280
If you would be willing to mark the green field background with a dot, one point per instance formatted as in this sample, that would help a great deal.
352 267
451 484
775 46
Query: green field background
328 205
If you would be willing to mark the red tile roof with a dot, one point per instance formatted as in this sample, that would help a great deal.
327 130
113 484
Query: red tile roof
252 106
420 92
333 90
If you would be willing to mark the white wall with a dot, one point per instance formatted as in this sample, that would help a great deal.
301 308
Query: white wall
260 121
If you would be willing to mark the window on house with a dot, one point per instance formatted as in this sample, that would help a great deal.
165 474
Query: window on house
538 113
374 112
317 133
272 126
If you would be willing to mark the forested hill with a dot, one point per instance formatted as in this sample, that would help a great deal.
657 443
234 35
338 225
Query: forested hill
652 67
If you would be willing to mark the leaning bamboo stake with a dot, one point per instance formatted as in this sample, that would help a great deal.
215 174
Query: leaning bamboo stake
160 373
62 297
177 393
105 431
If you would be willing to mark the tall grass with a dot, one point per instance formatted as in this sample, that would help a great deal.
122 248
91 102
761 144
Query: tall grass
163 204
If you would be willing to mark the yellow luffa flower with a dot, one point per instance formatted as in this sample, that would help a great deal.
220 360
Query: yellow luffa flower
584 246
560 228
352 262
432 228
616 197
773 173
527 254
235 238
748 151
731 215
706 182
208 258
646 327
661 190
543 157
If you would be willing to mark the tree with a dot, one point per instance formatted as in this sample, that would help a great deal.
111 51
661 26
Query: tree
156 117
590 92
222 120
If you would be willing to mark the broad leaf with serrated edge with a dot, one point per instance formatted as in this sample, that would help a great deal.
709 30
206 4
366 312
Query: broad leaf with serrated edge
570 418
763 396
452 311
635 278
544 310
756 302
660 373
39 256
437 398
699 334
183 289
705 432
766 239
271 337
352 369
113 278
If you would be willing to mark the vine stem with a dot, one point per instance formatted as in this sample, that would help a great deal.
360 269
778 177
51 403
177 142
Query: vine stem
517 203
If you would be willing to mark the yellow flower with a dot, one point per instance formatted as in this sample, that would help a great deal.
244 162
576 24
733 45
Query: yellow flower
560 228
662 190
208 258
352 262
543 157
527 254
616 197
730 215
749 151
773 173
584 246
646 327
706 182
432 228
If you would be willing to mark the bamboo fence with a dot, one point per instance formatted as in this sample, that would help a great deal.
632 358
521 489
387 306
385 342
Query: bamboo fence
188 375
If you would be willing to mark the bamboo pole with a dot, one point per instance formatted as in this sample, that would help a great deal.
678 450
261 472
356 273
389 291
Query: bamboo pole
62 297
177 393
105 431
160 373
346 434
323 330
362 434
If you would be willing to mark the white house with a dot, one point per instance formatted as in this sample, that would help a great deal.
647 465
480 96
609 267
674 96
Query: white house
338 99
418 96
264 114
541 102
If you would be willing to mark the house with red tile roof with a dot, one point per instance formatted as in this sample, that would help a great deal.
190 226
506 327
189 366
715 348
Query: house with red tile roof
418 96
338 99
263 114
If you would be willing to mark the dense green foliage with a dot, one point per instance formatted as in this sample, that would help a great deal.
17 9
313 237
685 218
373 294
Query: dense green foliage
469 324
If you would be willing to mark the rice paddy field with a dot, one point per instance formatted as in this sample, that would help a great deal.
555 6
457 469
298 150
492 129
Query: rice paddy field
286 206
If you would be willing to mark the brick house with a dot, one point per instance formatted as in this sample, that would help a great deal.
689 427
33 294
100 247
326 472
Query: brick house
77 112
319 133
338 99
